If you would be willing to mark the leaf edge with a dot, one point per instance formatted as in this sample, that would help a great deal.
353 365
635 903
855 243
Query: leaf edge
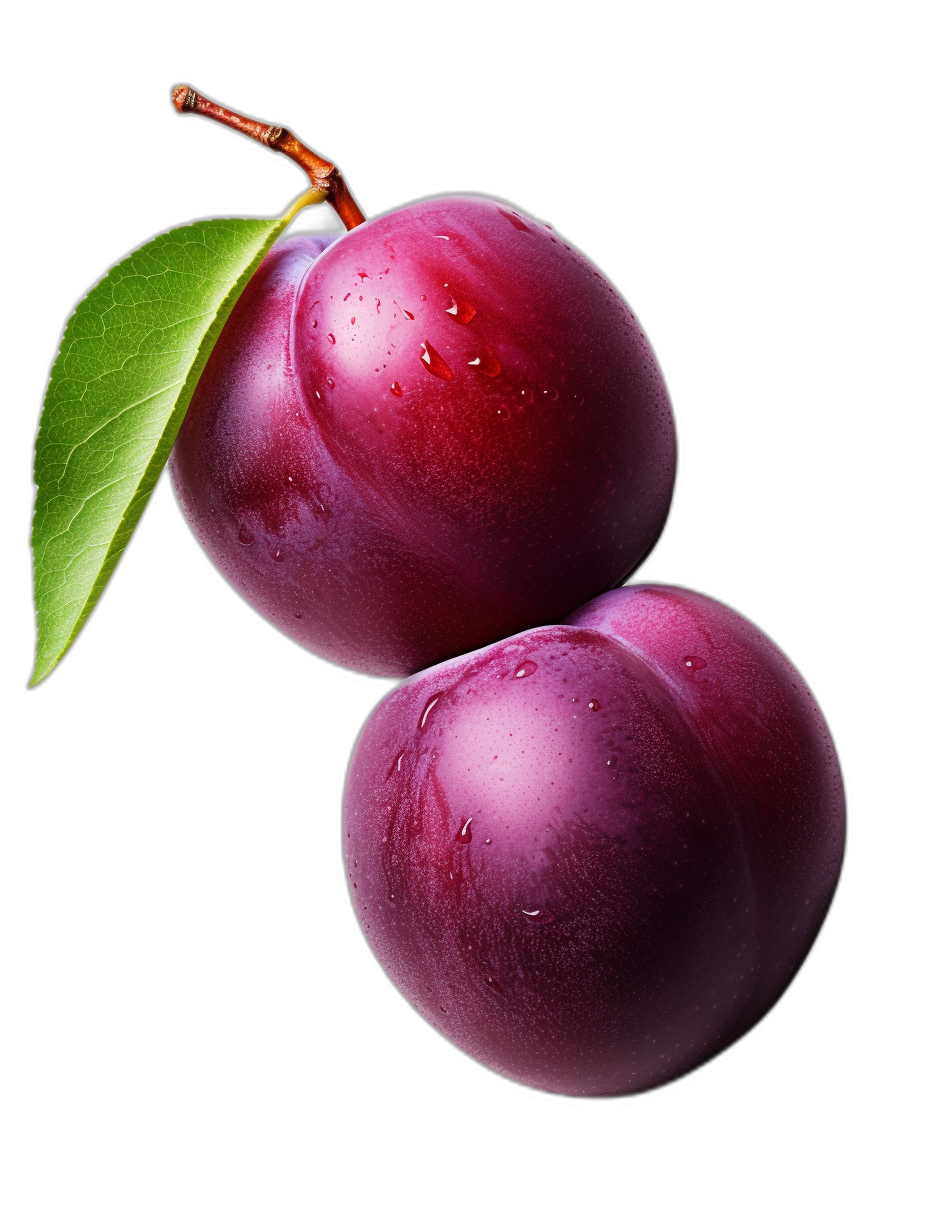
44 666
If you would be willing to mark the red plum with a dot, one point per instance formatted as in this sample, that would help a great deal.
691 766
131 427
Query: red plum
440 429
594 854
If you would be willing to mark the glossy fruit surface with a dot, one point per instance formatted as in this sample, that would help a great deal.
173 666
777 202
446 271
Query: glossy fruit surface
447 428
595 854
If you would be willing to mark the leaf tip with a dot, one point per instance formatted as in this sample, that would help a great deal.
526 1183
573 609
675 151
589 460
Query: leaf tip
39 672
44 664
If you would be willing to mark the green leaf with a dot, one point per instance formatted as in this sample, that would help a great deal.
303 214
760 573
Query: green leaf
130 359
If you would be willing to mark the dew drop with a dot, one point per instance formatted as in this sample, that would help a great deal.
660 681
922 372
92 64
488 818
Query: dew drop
331 338
515 220
550 393
397 389
528 668
298 615
330 382
408 315
526 396
443 237
428 706
318 395
539 916
244 535
487 363
503 412
594 705
434 362
493 985
694 663
315 323
352 320
462 311
464 834
277 554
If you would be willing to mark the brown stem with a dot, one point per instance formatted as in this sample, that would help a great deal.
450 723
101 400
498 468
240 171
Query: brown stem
323 176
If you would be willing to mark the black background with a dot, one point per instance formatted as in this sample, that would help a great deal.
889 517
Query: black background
183 768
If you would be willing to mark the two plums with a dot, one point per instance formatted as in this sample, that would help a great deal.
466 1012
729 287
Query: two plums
591 854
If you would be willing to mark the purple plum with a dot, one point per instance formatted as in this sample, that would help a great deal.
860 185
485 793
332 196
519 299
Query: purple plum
595 854
443 428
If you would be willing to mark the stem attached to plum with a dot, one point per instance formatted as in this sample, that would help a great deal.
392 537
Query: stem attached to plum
325 178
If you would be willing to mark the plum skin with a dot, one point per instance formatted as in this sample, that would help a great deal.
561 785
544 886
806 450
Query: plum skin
593 855
388 512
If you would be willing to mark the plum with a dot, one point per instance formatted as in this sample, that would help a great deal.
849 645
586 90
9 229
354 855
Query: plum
443 428
595 854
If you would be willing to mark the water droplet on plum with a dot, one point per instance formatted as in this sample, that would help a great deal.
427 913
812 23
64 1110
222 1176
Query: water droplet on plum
594 705
396 389
462 311
539 916
331 338
515 220
408 315
434 362
493 985
694 663
464 834
528 668
244 535
487 363
428 706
